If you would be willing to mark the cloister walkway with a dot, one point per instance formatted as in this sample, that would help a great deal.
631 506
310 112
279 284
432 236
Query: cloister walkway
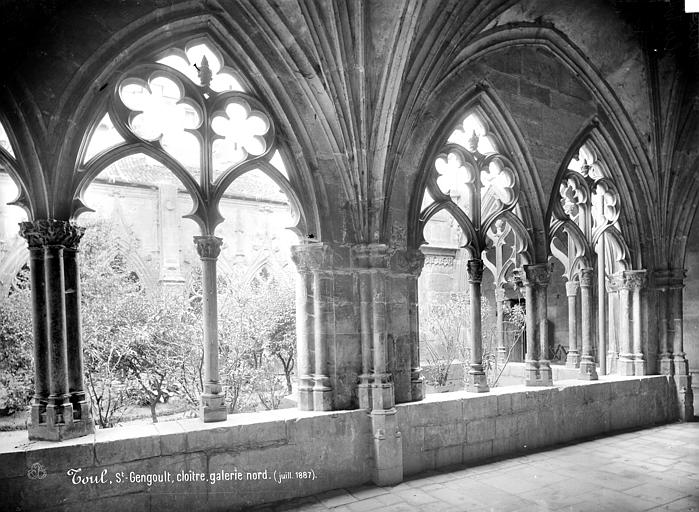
644 470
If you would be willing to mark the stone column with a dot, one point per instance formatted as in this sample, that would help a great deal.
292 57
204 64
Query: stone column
588 369
81 406
304 327
683 379
388 444
59 409
365 325
322 308
573 358
625 364
212 407
382 387
675 317
636 281
38 291
531 359
477 381
665 355
416 261
500 325
56 329
537 369
601 306
545 373
612 324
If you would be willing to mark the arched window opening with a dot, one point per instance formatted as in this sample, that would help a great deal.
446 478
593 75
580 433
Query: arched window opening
12 246
5 143
471 222
257 305
182 136
600 286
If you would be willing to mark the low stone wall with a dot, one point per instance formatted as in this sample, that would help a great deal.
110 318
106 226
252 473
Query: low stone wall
254 458
465 428
265 457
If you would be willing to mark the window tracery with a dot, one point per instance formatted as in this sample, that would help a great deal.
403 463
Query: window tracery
586 237
475 184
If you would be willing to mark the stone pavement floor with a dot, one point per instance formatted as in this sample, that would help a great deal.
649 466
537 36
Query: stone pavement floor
645 470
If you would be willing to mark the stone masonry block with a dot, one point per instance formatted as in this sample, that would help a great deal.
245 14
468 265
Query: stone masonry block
413 438
477 407
60 457
208 436
480 430
505 446
173 437
448 434
448 456
118 445
14 463
504 404
476 452
418 462
506 426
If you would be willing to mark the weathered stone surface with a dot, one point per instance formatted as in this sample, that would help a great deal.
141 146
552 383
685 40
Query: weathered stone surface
480 430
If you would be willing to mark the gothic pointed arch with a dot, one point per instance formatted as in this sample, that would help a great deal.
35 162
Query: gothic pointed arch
613 130
505 160
13 162
587 234
300 140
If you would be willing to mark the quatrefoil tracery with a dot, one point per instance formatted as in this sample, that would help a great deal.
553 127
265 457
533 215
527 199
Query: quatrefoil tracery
189 112
469 174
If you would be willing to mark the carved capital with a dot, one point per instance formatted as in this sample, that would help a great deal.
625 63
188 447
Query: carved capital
586 277
309 257
438 256
572 288
208 246
537 275
51 232
634 279
475 270
613 283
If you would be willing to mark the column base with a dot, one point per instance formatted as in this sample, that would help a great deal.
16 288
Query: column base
531 373
588 369
573 359
322 399
625 365
305 402
213 408
639 365
685 397
417 388
60 432
57 423
364 392
666 366
382 396
680 364
477 382
305 393
545 373
388 448
612 358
